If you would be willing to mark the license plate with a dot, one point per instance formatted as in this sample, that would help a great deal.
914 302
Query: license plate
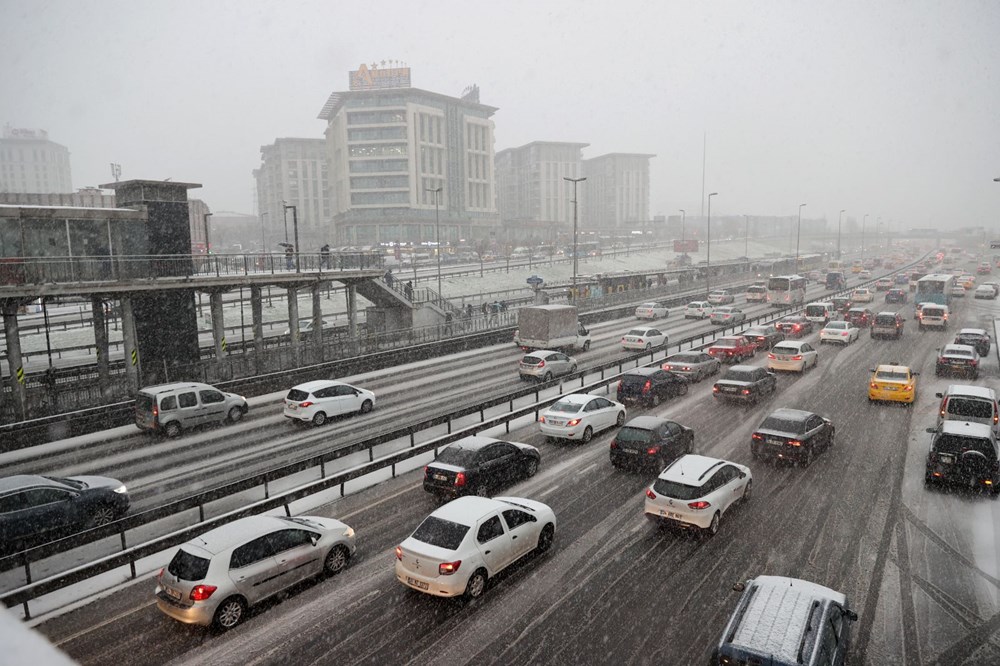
440 477
728 389
947 459
630 452
419 584
172 593
292 406
779 442
554 422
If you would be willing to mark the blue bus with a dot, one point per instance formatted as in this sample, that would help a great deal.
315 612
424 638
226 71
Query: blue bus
935 289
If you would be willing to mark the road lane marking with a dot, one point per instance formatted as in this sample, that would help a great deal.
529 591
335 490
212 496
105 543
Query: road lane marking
115 618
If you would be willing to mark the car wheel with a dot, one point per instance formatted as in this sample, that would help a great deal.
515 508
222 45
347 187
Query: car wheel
620 421
532 467
547 377
682 389
649 346
366 406
807 456
572 369
481 490
319 418
586 346
336 560
747 491
229 613
235 415
830 441
102 515
588 434
713 527
172 429
476 585
655 399
545 538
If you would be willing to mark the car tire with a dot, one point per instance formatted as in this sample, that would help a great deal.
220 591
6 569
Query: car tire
532 467
713 527
336 560
547 377
545 538
319 418
481 490
367 406
747 491
586 346
588 434
235 415
649 346
682 389
654 401
476 585
572 369
102 515
620 421
172 429
807 457
229 613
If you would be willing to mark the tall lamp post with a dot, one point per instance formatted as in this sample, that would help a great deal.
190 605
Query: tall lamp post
575 181
437 232
746 237
683 215
864 220
798 236
284 215
878 232
839 221
263 244
295 225
205 217
708 246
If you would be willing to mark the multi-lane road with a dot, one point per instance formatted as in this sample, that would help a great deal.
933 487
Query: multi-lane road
920 567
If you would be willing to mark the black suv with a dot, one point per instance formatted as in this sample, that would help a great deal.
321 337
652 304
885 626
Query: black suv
650 441
965 454
650 386
745 383
792 434
975 337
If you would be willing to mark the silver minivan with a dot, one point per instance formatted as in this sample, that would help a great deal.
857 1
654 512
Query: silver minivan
967 403
172 408
932 315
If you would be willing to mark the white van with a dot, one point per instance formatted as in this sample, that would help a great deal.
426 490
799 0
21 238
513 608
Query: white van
171 408
977 404
820 312
756 294
932 315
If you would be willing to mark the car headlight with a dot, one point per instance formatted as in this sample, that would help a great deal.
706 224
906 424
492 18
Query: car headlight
121 490
349 532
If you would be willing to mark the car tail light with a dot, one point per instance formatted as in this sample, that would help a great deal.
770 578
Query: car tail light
686 369
460 479
715 389
874 385
946 317
202 592
745 391
427 470
614 443
399 553
908 387
541 364
973 362
794 442
667 366
541 418
797 357
770 355
573 422
159 575
797 327
156 412
639 341
623 339
700 504
648 385
653 450
842 333
307 403
650 494
448 568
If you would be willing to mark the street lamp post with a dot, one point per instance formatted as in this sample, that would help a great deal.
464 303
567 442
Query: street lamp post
263 243
864 220
708 246
798 236
746 237
878 233
295 225
683 215
284 214
575 181
205 217
437 233
839 221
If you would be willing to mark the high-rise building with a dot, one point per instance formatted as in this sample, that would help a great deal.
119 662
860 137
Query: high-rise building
533 197
29 162
616 193
390 146
294 172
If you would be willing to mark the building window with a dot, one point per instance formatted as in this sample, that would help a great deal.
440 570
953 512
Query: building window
379 198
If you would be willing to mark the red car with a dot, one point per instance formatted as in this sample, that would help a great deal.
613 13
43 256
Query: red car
732 349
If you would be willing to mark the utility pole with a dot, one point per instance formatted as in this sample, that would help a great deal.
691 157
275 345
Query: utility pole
576 252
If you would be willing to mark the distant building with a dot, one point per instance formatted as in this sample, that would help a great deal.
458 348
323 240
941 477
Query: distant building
197 209
87 197
29 162
533 197
391 145
294 172
615 195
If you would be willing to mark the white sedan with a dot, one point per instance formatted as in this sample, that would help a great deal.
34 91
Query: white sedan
319 400
839 331
652 310
644 338
461 545
579 416
862 295
792 355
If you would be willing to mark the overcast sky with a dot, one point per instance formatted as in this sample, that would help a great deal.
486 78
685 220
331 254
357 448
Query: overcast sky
890 108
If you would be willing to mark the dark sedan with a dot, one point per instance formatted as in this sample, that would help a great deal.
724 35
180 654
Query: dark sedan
693 365
650 386
35 506
794 326
896 296
841 304
764 337
792 434
479 465
650 441
975 337
860 317
745 383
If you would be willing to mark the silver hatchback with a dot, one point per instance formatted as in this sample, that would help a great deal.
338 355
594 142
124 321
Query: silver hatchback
215 578
544 365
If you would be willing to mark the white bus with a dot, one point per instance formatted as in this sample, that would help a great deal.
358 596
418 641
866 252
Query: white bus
786 290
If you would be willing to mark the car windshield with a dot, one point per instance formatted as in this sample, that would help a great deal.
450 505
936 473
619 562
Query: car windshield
782 349
634 380
739 376
454 455
971 408
186 566
969 338
757 332
725 342
297 395
675 490
782 424
638 332
531 360
965 353
305 522
633 434
648 305
957 444
837 325
683 358
72 483
566 407
885 320
815 310
144 402
441 533
891 376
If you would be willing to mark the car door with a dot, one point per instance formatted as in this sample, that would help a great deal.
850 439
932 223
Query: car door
351 399
655 337
213 405
602 412
253 569
48 509
296 556
729 486
327 400
672 436
523 530
814 432
489 471
809 354
494 543
189 410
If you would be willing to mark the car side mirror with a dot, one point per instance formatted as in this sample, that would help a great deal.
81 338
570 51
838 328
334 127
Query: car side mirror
931 430
939 395
739 587
743 475
314 538
850 615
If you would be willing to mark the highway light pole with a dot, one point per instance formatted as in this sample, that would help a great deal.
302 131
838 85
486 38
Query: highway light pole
575 181
798 236
284 214
746 238
437 233
263 244
205 217
295 225
708 246
839 221
683 215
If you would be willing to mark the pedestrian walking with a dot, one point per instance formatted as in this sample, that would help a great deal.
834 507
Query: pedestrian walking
324 256
447 322
289 256
485 308
388 278
408 290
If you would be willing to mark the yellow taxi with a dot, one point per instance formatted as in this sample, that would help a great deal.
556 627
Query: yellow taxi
967 281
892 383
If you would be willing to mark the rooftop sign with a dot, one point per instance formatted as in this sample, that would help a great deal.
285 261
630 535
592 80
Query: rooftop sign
374 77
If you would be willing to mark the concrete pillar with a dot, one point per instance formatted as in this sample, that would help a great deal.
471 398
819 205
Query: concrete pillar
14 361
257 314
293 321
317 326
101 344
352 311
132 360
218 325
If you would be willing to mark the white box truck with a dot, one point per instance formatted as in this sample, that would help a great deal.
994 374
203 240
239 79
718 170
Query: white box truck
550 327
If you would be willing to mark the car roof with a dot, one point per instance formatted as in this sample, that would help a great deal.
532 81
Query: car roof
309 387
887 313
970 391
743 368
645 422
820 303
473 443
162 388
650 304
644 328
967 429
836 323
577 398
542 353
468 510
859 310
237 532
18 481
691 469
972 331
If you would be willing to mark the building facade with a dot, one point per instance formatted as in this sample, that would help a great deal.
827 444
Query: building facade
29 162
396 151
533 198
616 193
294 172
